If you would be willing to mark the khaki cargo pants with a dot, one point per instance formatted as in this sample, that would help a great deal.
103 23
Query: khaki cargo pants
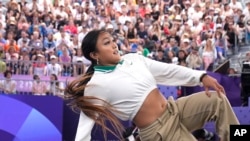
190 113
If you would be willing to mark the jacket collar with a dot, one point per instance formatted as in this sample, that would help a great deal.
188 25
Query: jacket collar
107 68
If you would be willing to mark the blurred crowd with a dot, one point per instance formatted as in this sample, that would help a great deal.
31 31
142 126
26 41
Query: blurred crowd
43 37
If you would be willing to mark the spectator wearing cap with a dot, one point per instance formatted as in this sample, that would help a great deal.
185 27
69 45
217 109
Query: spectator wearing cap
211 12
11 25
194 60
123 18
53 67
39 65
110 28
185 45
208 25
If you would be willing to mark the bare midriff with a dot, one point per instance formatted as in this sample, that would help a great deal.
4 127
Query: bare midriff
152 108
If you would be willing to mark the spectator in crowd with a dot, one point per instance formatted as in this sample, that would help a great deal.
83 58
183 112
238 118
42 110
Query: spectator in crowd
55 87
25 65
12 64
194 60
53 67
172 58
39 65
209 54
220 44
38 86
23 41
66 63
49 43
8 86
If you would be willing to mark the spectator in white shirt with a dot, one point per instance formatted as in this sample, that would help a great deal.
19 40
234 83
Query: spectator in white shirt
8 85
246 11
235 4
53 67
63 39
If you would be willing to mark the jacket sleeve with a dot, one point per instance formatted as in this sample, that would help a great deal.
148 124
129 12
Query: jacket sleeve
84 128
171 74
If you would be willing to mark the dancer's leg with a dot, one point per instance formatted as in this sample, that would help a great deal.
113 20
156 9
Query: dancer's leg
197 109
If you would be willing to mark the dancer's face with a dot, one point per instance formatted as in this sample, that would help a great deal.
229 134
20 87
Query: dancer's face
107 51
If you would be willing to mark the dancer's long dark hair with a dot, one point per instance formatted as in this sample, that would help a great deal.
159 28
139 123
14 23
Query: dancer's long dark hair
75 92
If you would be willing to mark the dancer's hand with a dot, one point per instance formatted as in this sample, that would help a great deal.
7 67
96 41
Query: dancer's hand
210 82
